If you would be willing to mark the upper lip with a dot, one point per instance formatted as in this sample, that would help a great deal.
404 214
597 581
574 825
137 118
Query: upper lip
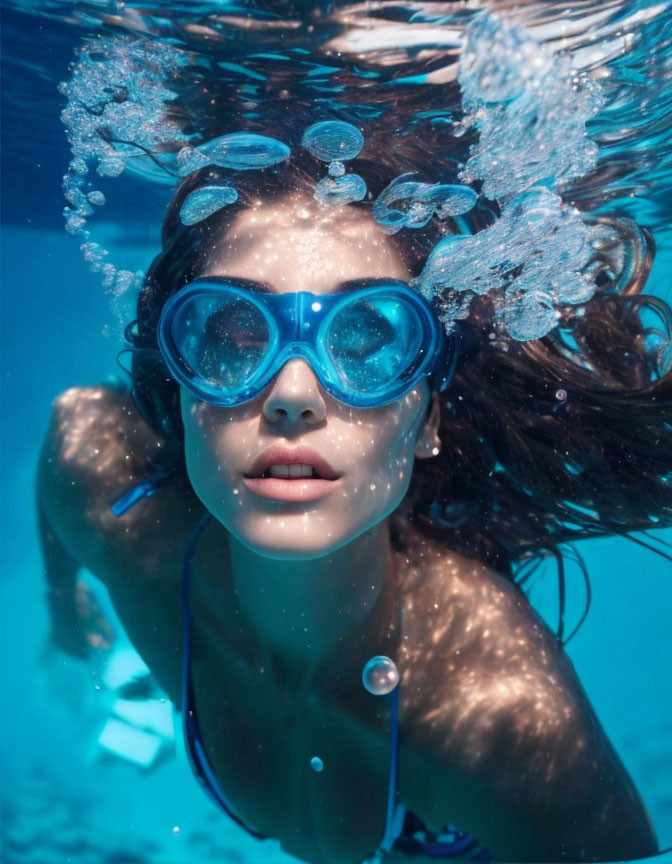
279 454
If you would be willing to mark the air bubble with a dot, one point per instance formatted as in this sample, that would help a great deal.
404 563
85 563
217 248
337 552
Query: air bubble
380 675
333 140
341 191
204 202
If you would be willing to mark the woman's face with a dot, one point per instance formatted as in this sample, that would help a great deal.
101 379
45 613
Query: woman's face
294 245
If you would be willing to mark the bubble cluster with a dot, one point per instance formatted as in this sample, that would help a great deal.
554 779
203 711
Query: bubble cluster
117 94
528 104
532 260
530 107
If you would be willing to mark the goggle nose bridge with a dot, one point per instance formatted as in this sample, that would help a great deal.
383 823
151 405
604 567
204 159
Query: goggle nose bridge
297 350
303 317
298 325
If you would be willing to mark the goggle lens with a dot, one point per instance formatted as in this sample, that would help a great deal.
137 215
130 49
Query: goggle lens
224 340
372 342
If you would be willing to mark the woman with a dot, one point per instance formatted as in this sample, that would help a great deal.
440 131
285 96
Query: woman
292 586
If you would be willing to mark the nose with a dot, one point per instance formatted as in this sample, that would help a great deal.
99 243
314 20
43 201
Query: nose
295 393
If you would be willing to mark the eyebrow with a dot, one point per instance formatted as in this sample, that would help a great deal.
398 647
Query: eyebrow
267 288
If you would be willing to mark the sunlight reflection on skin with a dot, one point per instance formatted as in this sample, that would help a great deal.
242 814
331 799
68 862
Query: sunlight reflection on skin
500 671
491 662
489 701
479 667
297 244
93 444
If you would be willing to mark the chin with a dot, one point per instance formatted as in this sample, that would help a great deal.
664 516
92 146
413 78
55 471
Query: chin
286 545
298 536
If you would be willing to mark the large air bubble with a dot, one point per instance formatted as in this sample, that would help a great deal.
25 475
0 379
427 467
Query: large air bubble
340 190
406 203
333 140
380 675
204 202
239 151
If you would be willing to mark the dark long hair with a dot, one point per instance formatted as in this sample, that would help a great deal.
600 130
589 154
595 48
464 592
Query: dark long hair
544 442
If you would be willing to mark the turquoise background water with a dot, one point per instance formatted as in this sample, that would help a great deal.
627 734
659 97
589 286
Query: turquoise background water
64 798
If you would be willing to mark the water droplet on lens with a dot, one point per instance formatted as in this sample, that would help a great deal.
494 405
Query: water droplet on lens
380 675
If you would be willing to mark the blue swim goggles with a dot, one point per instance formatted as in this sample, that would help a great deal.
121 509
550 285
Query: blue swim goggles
225 341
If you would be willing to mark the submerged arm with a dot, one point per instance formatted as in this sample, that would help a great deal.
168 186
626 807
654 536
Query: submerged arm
77 622
97 447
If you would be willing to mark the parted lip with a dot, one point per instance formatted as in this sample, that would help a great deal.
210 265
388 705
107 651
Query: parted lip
280 454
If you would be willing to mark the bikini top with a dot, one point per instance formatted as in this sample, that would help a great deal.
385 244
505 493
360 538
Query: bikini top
404 832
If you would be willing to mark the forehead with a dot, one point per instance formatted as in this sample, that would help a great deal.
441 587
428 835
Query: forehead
298 244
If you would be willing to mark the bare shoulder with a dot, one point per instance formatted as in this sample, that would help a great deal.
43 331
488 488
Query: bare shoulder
96 447
509 744
96 444
473 635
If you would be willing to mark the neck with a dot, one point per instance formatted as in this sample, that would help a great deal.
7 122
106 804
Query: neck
300 611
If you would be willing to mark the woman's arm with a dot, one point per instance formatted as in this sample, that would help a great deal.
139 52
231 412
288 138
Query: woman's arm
73 435
97 446
77 621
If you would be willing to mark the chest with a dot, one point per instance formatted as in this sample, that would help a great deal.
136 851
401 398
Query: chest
262 743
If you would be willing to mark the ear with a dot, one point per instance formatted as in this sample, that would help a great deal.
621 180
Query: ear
428 443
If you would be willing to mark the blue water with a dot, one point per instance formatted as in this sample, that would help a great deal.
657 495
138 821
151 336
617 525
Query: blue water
64 798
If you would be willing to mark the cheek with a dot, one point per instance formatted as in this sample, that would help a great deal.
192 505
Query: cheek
207 432
391 446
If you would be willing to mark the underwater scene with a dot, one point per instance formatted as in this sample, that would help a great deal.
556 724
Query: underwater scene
336 484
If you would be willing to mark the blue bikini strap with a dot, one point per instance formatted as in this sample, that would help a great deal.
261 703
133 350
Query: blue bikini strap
144 489
192 736
395 812
194 747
